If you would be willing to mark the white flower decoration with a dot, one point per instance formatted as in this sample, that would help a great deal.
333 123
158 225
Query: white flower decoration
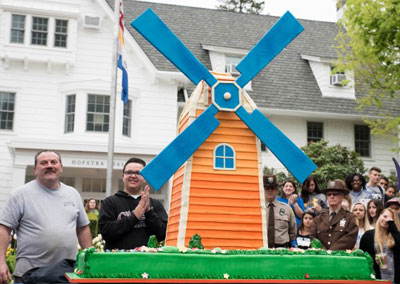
329 252
373 276
145 275
183 249
226 275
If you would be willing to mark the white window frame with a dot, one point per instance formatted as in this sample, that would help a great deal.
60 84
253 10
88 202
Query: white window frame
60 33
104 114
369 141
320 122
17 29
7 111
127 118
69 114
50 33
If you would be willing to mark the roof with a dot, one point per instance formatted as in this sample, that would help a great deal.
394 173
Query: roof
286 83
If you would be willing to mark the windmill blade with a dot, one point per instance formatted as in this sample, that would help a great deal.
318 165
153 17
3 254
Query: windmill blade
152 28
165 164
285 150
272 43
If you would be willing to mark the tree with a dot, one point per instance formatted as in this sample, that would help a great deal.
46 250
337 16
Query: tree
242 6
369 42
333 162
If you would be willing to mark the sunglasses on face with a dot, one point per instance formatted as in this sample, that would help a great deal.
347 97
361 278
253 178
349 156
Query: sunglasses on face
333 194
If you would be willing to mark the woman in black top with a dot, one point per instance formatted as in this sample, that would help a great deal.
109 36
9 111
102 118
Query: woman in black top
303 238
385 238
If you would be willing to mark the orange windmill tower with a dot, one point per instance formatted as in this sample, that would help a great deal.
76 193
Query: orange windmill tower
217 189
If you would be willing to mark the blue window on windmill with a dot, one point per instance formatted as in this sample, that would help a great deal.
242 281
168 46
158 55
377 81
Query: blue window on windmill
224 157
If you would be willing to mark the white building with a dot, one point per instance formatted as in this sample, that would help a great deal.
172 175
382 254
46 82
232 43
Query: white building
55 81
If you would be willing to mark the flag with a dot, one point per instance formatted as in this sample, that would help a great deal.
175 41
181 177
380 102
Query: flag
121 61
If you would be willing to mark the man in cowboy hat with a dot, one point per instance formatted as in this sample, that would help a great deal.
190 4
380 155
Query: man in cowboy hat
335 227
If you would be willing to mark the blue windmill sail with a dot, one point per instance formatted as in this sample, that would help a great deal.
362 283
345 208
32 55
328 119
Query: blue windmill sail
225 97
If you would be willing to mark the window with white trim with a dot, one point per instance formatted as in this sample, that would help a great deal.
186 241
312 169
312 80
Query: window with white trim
41 31
17 29
315 131
40 27
224 157
7 102
362 140
126 119
230 64
98 113
61 33
70 114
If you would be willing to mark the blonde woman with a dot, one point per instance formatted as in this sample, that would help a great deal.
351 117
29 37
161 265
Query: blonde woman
383 244
360 212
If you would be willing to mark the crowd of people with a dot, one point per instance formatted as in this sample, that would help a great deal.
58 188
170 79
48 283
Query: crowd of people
50 219
345 215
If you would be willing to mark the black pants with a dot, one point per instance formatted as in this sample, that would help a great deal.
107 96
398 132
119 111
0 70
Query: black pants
285 245
18 279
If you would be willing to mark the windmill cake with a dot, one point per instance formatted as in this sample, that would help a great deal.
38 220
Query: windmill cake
217 189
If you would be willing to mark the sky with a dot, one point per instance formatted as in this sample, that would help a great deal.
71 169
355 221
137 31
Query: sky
320 10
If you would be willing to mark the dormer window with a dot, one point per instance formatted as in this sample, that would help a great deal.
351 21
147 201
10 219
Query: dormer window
338 78
332 82
230 65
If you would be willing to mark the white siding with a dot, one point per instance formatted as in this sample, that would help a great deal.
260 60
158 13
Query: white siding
322 73
41 89
335 132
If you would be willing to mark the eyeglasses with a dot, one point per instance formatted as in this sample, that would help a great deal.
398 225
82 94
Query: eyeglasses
333 194
132 173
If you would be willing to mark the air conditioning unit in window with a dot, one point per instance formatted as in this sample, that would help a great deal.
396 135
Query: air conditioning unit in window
337 79
91 22
231 68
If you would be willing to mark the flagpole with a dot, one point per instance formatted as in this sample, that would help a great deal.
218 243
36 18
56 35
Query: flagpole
113 97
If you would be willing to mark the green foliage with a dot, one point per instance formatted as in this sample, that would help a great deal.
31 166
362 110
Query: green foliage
242 6
334 162
280 176
93 225
195 242
153 242
369 41
316 244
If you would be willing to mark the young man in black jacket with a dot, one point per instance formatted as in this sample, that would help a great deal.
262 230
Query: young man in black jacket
128 218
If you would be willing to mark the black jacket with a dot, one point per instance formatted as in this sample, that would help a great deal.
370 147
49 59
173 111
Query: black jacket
367 244
122 230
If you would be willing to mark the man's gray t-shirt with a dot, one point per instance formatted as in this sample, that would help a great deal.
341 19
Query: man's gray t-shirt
375 192
45 221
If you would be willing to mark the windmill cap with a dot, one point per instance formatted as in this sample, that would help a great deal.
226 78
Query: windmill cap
270 182
336 185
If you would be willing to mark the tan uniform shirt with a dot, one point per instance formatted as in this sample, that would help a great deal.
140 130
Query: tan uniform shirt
285 222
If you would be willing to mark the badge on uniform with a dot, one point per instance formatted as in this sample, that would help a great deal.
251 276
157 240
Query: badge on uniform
342 222
281 212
